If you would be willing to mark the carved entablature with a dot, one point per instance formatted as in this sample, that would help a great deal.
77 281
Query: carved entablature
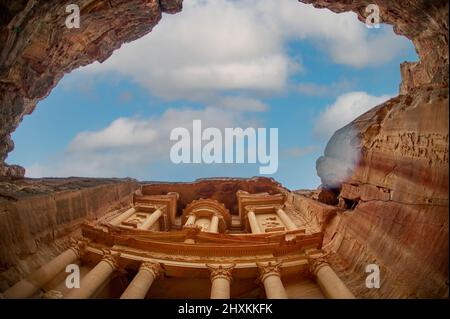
167 201
260 203
202 211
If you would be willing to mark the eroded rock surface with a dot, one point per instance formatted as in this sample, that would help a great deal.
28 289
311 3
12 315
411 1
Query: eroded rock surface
37 216
396 197
389 168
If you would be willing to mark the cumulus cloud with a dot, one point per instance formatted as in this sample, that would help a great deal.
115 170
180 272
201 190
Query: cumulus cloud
122 133
217 46
345 109
227 54
129 146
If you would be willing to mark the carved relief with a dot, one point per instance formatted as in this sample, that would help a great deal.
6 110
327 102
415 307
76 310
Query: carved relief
203 223
153 268
112 258
315 263
221 271
135 221
270 223
78 246
269 269
204 210
429 146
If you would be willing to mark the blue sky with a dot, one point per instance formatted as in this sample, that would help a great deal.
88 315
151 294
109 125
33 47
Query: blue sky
289 66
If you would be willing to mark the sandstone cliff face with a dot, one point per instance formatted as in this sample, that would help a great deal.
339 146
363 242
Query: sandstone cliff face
38 216
396 197
389 168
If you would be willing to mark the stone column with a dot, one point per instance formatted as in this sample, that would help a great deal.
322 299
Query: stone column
214 225
286 219
190 220
153 218
330 284
122 217
96 277
28 286
270 276
138 288
254 226
220 281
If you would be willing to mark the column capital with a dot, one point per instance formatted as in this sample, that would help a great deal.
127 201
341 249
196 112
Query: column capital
268 269
153 268
112 258
249 208
221 271
78 246
162 208
315 263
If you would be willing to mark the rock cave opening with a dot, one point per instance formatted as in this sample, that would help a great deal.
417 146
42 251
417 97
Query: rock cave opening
396 188
105 110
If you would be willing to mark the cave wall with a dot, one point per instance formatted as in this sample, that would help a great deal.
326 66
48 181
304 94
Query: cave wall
395 190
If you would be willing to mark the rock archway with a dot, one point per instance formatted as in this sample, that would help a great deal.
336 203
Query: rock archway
399 189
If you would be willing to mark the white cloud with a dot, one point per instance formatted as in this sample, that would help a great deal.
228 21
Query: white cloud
123 132
130 146
217 46
345 109
211 46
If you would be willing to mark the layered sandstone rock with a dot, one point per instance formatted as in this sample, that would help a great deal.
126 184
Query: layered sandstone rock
222 190
396 196
38 216
389 168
